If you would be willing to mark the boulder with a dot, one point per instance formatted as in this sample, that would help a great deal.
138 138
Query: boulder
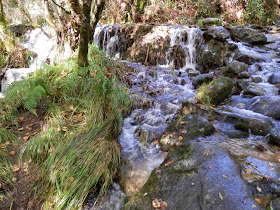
185 128
274 137
274 78
198 176
251 57
212 55
266 105
235 67
245 34
259 89
202 78
216 91
256 79
193 72
219 33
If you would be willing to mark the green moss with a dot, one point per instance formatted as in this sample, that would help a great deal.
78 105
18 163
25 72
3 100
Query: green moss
216 91
241 126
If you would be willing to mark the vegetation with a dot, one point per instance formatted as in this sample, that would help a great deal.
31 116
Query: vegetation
76 152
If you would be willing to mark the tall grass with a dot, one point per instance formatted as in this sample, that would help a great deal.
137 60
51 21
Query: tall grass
76 152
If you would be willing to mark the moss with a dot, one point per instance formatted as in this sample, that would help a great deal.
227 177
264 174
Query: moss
241 126
216 91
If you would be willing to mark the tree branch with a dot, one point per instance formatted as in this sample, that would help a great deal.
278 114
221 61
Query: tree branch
61 7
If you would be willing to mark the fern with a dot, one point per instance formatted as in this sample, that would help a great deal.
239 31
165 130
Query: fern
6 136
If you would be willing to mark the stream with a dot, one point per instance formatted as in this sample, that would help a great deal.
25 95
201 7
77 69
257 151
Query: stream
159 91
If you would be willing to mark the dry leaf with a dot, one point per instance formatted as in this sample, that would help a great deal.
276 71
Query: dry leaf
71 107
259 189
158 171
21 118
184 132
58 129
249 170
163 205
225 176
72 179
20 129
72 133
258 200
156 203
220 196
168 163
16 169
25 138
27 134
210 166
166 134
181 138
65 129
37 178
52 150
182 123
156 141
12 153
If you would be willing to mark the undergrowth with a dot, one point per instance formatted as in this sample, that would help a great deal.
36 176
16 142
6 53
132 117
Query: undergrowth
76 153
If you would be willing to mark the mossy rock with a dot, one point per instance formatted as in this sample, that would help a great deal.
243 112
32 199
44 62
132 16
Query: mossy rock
216 91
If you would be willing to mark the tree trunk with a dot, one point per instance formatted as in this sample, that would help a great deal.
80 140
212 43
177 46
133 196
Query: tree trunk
100 8
84 34
5 36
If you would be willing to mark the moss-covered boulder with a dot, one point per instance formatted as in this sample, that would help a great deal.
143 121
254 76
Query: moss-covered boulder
185 128
212 55
216 91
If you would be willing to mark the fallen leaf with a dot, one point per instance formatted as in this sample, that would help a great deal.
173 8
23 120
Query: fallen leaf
30 128
163 205
210 166
12 153
278 160
267 177
71 107
52 150
259 189
156 141
72 133
258 200
249 170
37 178
25 138
182 123
254 206
220 196
16 169
184 132
20 129
72 179
65 129
80 115
58 129
168 163
21 118
181 138
166 134
225 176
156 203
158 171
27 134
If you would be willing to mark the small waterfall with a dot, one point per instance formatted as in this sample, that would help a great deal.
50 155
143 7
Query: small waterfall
106 37
185 38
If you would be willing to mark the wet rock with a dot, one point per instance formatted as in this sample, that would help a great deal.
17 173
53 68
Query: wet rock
185 127
212 55
179 57
250 58
235 68
275 204
241 84
274 78
274 137
219 33
202 78
193 72
216 91
244 75
257 89
200 176
267 105
241 33
256 79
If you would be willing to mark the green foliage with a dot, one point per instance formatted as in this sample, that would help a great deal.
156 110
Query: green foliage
76 150
255 12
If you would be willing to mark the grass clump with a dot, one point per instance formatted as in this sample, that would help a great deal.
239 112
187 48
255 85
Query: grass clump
76 153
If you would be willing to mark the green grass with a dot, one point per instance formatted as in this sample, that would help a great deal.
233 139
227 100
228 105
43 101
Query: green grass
76 153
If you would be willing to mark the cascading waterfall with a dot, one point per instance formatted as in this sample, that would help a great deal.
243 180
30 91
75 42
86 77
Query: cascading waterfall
143 127
106 37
